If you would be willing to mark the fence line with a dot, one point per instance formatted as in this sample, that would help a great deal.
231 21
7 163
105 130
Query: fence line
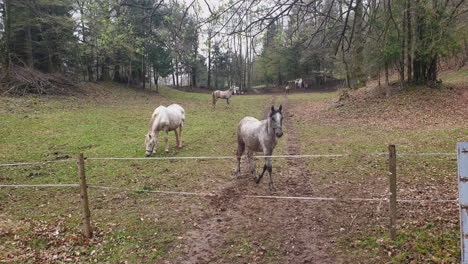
234 157
241 195
40 185
34 162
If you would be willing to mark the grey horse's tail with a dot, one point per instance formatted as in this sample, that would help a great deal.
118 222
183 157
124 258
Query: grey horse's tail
214 98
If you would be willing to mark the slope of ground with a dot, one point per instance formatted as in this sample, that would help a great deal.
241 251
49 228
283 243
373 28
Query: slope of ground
416 120
42 225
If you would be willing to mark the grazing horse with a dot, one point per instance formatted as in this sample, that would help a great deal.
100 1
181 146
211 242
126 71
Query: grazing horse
259 136
223 95
287 89
164 119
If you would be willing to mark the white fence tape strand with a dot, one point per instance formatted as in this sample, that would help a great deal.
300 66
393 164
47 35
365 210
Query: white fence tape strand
245 196
426 154
149 191
281 156
39 185
234 157
34 163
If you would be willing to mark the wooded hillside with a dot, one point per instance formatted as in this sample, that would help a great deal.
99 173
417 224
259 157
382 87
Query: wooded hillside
219 44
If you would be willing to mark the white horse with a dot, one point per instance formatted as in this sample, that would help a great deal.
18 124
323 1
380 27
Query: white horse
223 95
235 90
259 136
298 83
164 119
287 89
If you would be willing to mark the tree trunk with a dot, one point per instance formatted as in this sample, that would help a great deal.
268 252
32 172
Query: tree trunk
129 77
194 77
378 77
409 38
7 17
105 75
117 77
209 60
241 70
155 77
432 72
143 71
403 49
173 78
149 77
348 84
97 67
28 45
386 74
359 77
177 72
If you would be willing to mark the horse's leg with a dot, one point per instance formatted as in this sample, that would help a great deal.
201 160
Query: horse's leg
270 169
156 134
227 102
240 151
251 164
267 166
180 130
166 139
214 101
176 137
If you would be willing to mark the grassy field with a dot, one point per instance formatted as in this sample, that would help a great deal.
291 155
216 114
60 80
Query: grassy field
418 120
111 121
42 224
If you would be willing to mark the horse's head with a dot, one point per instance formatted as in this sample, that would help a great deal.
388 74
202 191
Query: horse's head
276 120
150 142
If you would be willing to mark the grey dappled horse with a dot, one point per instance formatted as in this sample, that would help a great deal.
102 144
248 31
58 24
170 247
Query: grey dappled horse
223 95
259 136
164 119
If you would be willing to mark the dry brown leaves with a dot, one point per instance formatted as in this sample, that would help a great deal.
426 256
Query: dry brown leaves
420 107
36 241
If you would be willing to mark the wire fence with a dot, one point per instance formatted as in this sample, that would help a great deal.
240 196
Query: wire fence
337 199
389 196
232 157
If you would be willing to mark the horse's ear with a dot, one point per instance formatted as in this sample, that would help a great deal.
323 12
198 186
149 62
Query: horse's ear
272 108
280 108
149 135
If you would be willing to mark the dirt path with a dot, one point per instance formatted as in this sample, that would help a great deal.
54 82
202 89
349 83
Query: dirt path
300 226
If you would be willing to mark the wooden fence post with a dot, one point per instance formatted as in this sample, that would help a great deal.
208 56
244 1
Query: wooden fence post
84 196
393 190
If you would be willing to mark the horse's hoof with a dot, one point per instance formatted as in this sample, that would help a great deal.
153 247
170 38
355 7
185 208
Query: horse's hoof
272 188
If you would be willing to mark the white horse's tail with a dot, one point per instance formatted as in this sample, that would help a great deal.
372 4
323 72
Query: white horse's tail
214 97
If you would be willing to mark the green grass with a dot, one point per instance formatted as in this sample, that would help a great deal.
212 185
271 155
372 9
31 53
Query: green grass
456 77
361 176
308 97
142 228
114 125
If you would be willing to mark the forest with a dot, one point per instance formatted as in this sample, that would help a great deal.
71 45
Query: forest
355 109
221 44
